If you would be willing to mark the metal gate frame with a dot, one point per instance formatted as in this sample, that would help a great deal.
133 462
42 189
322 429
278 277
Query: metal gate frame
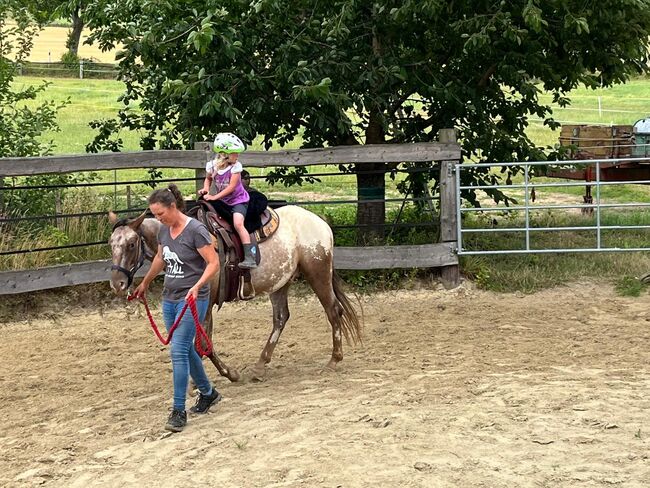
527 185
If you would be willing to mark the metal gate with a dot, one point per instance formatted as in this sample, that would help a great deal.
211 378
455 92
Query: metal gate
524 217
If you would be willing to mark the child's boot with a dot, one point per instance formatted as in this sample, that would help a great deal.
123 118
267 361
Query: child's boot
250 252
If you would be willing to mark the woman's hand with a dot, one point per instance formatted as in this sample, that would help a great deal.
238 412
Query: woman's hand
140 291
193 292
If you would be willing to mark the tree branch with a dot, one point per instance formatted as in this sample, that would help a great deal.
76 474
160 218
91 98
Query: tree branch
486 76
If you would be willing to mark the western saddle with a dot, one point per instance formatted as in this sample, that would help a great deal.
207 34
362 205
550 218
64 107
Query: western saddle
234 282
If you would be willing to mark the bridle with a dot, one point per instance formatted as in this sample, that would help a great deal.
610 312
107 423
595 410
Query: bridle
142 255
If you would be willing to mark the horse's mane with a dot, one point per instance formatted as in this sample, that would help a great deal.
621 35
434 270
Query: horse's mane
122 222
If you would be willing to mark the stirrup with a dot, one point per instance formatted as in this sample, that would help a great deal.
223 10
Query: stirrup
246 290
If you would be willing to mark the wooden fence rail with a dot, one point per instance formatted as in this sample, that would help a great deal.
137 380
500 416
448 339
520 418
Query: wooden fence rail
351 258
196 158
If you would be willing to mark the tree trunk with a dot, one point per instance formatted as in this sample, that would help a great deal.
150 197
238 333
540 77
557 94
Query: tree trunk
371 185
371 215
75 33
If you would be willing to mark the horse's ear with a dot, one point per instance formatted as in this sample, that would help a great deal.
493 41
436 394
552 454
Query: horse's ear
112 217
137 222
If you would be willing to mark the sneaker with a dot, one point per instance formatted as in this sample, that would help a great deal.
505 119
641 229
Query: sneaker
204 402
176 421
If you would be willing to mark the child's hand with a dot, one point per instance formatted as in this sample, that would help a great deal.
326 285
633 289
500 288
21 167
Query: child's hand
202 192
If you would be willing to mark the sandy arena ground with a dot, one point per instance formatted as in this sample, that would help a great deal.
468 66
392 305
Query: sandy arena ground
460 388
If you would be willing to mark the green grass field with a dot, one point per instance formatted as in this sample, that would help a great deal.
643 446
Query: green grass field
97 99
89 100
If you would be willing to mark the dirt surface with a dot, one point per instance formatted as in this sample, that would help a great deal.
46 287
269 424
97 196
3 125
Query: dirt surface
450 389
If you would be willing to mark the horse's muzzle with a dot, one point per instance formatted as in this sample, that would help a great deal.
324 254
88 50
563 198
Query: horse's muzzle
119 283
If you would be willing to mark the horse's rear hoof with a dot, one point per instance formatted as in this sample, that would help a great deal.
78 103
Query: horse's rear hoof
234 376
257 374
252 374
330 367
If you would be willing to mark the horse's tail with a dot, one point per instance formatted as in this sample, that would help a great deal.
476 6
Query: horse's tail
349 320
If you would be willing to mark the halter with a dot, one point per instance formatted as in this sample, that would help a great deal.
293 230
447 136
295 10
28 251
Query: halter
142 255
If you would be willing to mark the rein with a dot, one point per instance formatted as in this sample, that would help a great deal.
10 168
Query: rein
201 335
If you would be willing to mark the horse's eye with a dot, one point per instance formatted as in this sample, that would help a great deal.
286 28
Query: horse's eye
132 245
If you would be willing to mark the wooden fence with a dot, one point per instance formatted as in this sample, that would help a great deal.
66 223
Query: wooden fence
441 254
82 69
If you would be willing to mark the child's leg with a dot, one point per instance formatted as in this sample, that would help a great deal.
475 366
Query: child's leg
250 250
238 221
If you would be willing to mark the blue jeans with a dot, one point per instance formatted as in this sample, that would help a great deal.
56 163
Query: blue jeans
186 361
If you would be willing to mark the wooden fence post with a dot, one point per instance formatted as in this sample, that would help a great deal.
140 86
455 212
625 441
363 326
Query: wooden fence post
2 196
58 209
199 174
450 275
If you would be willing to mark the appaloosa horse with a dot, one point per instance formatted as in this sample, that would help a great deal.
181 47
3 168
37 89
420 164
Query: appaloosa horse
303 243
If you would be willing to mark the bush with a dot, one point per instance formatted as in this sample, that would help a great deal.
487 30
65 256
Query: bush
70 60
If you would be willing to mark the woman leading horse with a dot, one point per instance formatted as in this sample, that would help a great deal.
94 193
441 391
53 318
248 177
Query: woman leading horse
190 262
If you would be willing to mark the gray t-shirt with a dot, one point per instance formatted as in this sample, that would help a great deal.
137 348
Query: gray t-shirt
184 265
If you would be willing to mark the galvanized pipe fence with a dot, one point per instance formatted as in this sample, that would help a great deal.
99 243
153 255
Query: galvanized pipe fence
533 181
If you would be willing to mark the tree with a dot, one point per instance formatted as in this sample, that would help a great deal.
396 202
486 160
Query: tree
23 123
352 71
73 10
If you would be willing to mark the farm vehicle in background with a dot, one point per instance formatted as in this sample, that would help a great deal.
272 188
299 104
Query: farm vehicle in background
600 142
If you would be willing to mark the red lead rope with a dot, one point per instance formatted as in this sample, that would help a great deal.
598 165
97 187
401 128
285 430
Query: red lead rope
201 335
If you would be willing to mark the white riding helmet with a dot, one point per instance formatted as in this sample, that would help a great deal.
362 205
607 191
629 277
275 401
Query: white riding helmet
228 143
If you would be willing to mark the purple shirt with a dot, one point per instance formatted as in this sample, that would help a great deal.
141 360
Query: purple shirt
221 182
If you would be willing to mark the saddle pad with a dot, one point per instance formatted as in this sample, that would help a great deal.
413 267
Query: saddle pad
270 223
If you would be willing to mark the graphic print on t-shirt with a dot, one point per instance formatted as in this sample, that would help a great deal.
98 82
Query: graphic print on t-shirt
174 264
